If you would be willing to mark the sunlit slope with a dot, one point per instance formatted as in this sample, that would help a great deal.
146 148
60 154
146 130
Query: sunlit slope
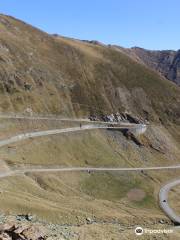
58 75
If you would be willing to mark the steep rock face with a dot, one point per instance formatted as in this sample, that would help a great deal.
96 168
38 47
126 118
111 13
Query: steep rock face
51 74
167 62
174 72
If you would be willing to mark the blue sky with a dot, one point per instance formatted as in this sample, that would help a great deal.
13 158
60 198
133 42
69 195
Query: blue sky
151 24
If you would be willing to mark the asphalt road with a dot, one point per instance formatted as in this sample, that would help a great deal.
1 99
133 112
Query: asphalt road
25 136
163 199
52 118
93 169
163 194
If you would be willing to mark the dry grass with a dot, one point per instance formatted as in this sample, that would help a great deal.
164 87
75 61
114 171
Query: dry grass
62 197
71 77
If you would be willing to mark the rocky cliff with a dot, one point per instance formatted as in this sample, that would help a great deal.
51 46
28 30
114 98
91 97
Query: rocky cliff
166 62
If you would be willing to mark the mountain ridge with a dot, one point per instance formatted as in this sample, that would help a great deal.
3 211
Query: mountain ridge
165 62
59 75
44 75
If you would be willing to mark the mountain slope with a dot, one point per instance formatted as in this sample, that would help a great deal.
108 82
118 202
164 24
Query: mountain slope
166 62
70 77
57 75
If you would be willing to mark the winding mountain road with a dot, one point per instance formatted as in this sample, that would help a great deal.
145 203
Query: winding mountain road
25 136
163 194
85 120
163 198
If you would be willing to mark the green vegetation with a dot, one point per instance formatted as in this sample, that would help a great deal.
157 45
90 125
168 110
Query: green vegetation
115 187
108 186
148 202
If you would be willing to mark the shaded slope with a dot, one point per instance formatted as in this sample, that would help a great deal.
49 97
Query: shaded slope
166 62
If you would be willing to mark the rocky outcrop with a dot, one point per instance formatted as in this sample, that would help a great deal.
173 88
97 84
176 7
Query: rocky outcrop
118 117
166 62
13 231
174 72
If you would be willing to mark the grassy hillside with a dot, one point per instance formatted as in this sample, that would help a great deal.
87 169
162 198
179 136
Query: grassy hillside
56 75
128 198
70 77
